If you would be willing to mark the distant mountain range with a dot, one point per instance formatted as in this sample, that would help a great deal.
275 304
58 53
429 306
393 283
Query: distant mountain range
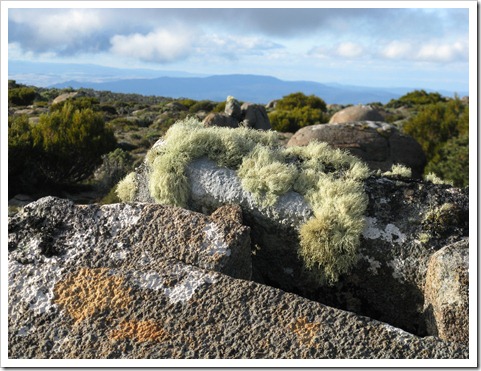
176 84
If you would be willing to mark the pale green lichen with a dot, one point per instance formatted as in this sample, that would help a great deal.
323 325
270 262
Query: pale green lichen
329 179
127 188
433 178
399 170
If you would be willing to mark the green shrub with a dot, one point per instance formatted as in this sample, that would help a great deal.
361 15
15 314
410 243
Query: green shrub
70 143
22 96
329 179
442 131
202 105
416 98
297 110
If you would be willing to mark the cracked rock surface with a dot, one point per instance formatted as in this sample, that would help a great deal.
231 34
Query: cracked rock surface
150 281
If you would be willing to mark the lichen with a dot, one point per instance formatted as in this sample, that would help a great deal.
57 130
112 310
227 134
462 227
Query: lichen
127 188
329 179
398 170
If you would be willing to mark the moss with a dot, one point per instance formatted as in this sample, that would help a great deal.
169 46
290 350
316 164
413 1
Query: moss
329 179
127 188
433 178
398 170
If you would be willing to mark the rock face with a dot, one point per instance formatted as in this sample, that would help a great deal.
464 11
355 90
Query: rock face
379 144
446 304
249 115
149 281
407 221
356 113
255 116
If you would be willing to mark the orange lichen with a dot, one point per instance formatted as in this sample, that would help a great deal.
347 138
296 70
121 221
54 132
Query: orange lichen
90 291
139 331
305 331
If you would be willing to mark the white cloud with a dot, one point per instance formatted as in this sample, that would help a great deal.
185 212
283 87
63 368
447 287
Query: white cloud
161 45
58 29
443 52
349 50
431 51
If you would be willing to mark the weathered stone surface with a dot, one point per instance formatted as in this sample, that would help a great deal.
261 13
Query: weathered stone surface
220 119
387 283
446 304
233 108
356 113
378 144
74 295
121 234
255 116
63 97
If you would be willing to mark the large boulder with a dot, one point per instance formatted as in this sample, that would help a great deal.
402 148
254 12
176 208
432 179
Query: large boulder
249 115
379 144
446 294
387 282
144 281
356 113
65 96
255 117
220 119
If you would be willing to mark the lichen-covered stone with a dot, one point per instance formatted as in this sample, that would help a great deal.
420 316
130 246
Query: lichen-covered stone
446 293
379 144
387 282
123 281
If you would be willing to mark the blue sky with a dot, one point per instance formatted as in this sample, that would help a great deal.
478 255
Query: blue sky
387 47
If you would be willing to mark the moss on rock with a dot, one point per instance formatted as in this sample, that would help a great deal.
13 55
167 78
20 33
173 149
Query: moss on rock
329 179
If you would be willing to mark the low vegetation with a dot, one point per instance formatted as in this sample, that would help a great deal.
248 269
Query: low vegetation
329 179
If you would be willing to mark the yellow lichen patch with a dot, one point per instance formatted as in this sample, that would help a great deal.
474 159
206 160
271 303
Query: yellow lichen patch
139 331
306 331
90 291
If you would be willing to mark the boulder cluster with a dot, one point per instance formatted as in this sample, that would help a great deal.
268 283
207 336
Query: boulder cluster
222 276
246 115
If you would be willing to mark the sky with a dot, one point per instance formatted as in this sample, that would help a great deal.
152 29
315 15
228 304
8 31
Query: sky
379 47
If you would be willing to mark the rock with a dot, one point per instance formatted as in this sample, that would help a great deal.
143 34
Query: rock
126 232
387 283
272 104
356 113
446 304
63 97
220 119
379 144
139 281
175 107
233 108
255 116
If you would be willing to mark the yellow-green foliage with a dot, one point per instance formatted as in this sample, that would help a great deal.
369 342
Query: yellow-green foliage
433 178
127 188
399 170
265 174
329 179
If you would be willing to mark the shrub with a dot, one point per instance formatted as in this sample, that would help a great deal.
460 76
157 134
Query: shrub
202 105
77 104
22 96
70 143
416 98
115 165
329 179
297 110
442 131
399 170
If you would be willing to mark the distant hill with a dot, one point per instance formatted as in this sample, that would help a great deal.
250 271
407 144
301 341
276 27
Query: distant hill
251 88
177 84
